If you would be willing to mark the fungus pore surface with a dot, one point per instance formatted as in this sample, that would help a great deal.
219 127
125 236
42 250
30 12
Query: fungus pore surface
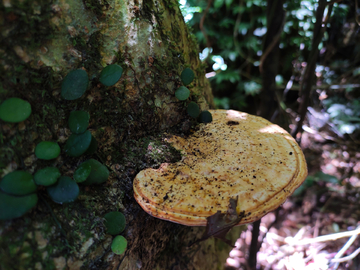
237 155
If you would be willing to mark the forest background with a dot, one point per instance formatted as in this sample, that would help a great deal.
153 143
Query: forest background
232 37
293 62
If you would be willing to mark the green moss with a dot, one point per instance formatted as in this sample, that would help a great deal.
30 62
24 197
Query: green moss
95 6
29 22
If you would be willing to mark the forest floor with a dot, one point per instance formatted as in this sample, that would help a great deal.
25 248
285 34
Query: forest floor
321 221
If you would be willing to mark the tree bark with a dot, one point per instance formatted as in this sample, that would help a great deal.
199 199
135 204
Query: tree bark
41 41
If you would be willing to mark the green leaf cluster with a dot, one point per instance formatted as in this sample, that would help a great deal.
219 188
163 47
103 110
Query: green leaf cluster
183 93
81 141
115 223
17 194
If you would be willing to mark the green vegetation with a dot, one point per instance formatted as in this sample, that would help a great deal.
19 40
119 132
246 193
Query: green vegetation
65 190
15 206
232 45
182 93
47 150
61 189
99 173
74 84
18 183
79 121
82 172
187 76
15 110
118 245
193 109
92 147
47 176
110 75
205 117
115 222
77 144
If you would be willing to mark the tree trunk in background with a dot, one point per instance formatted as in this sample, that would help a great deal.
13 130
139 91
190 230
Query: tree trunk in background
40 43
270 60
269 69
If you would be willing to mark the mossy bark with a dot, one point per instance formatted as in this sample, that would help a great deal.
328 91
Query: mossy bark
41 41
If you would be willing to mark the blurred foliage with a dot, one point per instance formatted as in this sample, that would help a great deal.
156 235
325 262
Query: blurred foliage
318 177
231 33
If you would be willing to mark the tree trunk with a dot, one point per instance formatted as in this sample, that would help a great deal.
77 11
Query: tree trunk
40 43
270 58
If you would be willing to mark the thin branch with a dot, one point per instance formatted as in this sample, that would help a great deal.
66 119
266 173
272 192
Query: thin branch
201 25
344 249
307 82
271 46
347 258
323 238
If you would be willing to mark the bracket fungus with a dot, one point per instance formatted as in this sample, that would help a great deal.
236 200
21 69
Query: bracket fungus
237 157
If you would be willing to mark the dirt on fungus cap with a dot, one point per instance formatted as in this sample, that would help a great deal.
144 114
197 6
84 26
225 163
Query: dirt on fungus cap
237 155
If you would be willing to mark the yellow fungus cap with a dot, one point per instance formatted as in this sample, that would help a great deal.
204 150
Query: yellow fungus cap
237 155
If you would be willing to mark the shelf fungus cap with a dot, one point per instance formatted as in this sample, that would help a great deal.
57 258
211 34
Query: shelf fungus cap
236 156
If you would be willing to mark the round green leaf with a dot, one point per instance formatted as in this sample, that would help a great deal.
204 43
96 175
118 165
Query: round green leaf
18 183
193 109
119 245
74 84
93 146
64 191
14 110
99 173
110 75
16 206
182 93
79 121
205 117
77 144
47 176
82 172
187 76
47 150
115 222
